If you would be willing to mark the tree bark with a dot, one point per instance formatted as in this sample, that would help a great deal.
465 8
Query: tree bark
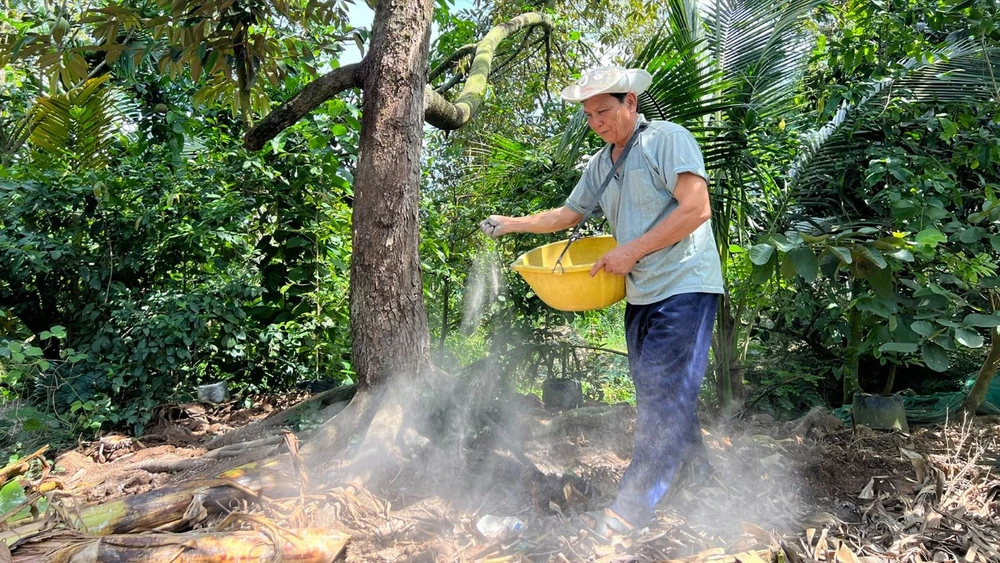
852 379
446 115
308 99
728 370
977 394
388 320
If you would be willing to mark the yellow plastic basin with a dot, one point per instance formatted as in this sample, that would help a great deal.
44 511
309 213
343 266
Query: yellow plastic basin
570 287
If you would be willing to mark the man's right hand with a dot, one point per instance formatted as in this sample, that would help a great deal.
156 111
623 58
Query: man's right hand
494 226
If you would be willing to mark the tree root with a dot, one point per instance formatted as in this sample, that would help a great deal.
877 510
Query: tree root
334 435
168 465
237 449
271 425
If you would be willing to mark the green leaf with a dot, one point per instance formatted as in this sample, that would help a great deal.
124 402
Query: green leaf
968 338
881 281
761 274
995 242
900 347
11 495
902 255
843 253
787 244
788 267
986 321
296 242
806 263
923 328
946 341
972 234
949 128
934 356
876 257
760 254
876 306
930 237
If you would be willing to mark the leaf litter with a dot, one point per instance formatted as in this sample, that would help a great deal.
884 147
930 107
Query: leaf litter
790 492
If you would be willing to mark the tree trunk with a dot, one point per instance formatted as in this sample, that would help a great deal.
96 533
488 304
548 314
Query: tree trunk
852 363
977 394
445 314
890 381
728 369
388 321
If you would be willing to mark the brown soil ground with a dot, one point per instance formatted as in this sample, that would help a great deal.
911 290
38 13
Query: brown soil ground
811 490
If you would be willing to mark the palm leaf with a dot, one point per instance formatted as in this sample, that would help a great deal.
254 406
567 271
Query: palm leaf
960 71
14 133
686 85
82 124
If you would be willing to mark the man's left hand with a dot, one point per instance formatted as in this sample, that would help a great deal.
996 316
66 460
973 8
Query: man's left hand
618 261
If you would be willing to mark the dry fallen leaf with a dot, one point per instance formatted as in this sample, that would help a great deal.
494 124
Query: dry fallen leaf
845 555
866 493
918 461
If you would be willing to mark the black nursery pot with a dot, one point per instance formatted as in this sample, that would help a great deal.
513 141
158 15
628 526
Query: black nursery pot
562 393
876 411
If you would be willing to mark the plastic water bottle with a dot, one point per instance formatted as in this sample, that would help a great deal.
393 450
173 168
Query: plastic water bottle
499 527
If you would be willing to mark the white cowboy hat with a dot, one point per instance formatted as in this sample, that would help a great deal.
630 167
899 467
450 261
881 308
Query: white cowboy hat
607 80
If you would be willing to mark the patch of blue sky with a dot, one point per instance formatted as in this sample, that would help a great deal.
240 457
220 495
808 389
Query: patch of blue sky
361 16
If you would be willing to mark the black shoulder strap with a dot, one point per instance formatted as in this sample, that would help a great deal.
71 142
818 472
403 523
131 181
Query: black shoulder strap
575 235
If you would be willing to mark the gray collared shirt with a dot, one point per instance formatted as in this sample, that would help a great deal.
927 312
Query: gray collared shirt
640 197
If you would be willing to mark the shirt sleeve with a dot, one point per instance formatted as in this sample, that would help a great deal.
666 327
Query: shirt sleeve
679 152
583 198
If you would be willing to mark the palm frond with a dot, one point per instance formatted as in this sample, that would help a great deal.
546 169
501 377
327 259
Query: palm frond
82 124
959 71
138 52
14 133
686 86
684 21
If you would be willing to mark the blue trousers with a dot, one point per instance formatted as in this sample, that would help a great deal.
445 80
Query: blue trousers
668 345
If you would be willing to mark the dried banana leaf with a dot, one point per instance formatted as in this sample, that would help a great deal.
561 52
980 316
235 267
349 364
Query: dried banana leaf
171 508
307 545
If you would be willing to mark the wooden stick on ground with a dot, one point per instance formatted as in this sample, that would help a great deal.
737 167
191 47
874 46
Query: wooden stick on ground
20 466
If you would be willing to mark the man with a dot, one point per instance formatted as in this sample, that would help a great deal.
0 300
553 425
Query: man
657 207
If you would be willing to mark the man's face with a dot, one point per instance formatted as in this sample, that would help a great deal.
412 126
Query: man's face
614 121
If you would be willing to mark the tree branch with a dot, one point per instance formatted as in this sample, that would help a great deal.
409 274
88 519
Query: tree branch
520 48
443 114
308 99
438 111
455 79
452 60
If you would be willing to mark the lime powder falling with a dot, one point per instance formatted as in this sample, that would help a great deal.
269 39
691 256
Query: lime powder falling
483 285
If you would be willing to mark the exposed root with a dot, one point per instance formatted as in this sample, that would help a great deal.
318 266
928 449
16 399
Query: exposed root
333 437
168 465
232 450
